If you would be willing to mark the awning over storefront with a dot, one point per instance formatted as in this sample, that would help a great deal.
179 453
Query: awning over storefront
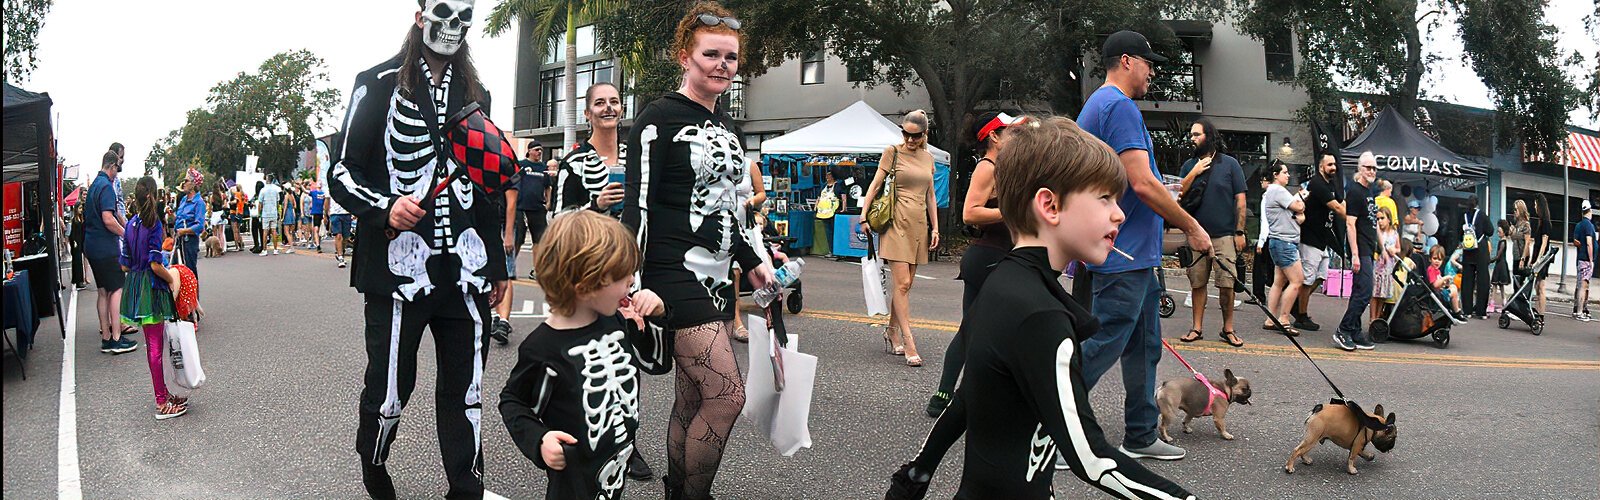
1402 149
1581 151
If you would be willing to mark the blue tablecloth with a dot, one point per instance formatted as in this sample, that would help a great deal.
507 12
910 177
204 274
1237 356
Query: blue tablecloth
19 312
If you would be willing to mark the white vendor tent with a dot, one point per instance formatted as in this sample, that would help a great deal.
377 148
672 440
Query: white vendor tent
856 129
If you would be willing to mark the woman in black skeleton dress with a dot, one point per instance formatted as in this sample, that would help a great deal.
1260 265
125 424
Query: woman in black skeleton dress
430 263
583 180
683 168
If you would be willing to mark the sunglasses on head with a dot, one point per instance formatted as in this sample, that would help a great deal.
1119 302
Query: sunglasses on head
713 20
912 135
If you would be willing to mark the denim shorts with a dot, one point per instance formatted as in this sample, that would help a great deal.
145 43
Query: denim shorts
511 265
1283 253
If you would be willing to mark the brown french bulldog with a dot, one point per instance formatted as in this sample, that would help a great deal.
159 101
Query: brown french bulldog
1338 423
213 246
1189 395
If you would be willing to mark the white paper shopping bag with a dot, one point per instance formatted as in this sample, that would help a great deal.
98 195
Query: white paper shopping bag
181 359
778 389
875 284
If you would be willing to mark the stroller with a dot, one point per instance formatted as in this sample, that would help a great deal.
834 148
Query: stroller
1520 305
1420 312
793 295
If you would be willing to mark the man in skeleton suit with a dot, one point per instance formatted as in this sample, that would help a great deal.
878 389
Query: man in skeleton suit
424 261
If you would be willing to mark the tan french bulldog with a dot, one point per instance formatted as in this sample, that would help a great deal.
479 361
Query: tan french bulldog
1191 396
213 246
1338 423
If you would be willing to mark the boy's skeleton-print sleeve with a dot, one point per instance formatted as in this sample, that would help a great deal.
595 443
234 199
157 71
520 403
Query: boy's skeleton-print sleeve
523 403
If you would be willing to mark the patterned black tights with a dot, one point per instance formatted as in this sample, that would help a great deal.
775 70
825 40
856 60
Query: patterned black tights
710 394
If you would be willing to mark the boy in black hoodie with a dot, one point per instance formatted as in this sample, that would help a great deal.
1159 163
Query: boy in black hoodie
1022 394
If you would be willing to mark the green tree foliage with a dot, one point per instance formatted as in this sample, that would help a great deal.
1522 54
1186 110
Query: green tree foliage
24 19
1378 46
270 113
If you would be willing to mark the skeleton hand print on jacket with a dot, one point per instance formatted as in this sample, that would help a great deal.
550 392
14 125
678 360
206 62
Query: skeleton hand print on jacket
582 175
392 146
584 382
683 170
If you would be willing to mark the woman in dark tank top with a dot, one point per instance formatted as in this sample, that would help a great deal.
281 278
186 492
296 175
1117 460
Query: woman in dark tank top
981 209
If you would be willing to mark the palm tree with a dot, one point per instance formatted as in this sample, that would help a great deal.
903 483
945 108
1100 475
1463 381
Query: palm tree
550 18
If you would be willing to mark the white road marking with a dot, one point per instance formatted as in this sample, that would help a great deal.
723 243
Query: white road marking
69 482
490 495
528 311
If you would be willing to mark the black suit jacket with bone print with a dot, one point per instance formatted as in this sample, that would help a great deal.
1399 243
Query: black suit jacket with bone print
363 180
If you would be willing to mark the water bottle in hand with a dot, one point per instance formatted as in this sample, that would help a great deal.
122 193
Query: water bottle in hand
785 276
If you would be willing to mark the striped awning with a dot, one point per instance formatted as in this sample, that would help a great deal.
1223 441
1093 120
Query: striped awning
1581 151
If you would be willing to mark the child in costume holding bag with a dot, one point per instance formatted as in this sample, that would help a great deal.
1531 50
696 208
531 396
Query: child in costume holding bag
147 300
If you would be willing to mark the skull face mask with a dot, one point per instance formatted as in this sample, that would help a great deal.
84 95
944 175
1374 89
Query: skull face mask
445 23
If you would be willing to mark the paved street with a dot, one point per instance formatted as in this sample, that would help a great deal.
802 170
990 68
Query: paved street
1499 414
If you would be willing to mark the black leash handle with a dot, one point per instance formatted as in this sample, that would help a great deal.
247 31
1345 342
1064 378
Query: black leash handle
1281 329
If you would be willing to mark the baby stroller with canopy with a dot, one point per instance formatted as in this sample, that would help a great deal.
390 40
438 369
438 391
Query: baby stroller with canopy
1419 312
1520 305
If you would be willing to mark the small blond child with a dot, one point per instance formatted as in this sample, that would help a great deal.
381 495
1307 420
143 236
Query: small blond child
572 401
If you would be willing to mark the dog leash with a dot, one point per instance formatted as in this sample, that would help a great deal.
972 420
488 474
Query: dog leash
1275 322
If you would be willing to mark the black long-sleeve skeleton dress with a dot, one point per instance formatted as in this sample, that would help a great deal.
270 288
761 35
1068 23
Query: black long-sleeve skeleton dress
582 175
1024 392
584 382
684 167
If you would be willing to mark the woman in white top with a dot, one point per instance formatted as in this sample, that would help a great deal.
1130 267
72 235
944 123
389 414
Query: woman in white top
1282 215
753 198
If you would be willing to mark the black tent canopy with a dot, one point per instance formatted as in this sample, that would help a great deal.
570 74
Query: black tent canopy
1403 152
29 156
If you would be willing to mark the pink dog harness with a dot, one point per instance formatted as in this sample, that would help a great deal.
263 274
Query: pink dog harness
1211 391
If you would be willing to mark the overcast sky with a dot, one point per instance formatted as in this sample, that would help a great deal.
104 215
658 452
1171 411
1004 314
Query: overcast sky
129 71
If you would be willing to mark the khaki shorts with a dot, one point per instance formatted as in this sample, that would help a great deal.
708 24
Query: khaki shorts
1201 271
1314 263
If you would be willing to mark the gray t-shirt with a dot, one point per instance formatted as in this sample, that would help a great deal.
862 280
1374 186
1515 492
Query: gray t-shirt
1280 220
1219 208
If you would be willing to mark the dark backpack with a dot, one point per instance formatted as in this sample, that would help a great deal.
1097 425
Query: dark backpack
1191 199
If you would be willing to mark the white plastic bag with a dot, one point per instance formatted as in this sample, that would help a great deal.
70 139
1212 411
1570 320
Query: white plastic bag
180 359
875 284
778 389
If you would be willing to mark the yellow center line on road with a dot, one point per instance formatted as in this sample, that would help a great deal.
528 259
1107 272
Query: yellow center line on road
1285 351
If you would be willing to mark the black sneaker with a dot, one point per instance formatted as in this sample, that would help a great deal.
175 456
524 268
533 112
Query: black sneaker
1343 341
938 403
119 346
1363 344
501 331
532 276
638 469
908 483
1305 323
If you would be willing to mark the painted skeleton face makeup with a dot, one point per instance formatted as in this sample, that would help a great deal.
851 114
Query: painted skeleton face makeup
710 66
445 24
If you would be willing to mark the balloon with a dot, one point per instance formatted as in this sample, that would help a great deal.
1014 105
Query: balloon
1430 224
1433 242
1405 191
1432 204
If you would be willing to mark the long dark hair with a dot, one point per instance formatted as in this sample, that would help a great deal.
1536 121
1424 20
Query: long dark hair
1213 142
1541 208
411 77
145 203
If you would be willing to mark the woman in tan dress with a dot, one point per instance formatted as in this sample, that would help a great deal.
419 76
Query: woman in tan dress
915 230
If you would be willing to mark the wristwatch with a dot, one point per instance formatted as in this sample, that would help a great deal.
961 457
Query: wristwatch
1238 233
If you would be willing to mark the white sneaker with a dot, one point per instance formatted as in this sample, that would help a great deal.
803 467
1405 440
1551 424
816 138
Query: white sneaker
341 263
1188 300
263 253
275 252
289 251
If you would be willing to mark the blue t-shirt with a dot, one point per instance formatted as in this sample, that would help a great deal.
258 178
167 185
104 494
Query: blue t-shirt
1585 230
1219 205
1114 118
99 242
316 202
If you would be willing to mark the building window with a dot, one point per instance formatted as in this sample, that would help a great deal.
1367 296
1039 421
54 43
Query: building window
1280 56
553 89
811 68
754 140
1250 148
733 99
854 74
585 45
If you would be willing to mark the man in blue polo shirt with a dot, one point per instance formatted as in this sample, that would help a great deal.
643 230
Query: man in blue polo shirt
1126 291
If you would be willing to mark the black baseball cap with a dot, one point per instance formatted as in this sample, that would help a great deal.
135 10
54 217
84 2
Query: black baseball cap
1132 43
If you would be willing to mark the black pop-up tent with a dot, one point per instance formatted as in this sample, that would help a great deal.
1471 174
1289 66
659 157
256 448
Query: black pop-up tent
1405 154
29 156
